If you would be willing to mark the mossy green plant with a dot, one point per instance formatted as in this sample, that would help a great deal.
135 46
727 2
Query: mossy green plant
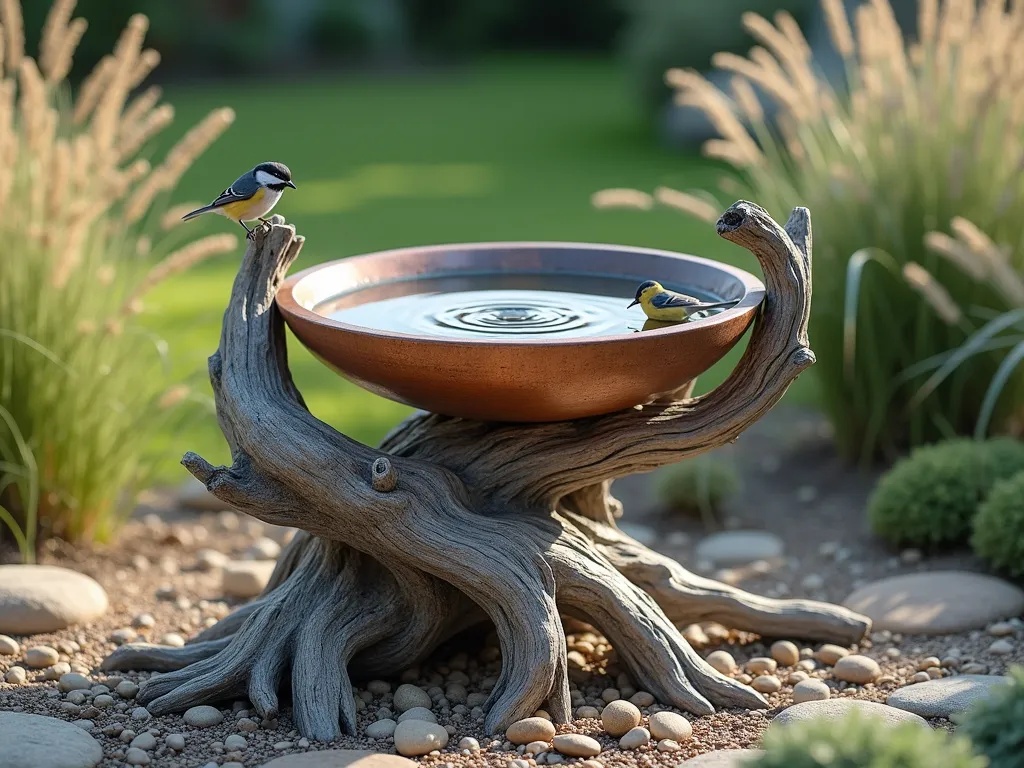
930 498
995 725
998 535
699 486
857 741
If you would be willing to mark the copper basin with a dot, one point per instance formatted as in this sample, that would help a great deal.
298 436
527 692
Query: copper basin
520 379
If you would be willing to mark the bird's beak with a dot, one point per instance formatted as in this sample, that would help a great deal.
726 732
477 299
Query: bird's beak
291 184
635 302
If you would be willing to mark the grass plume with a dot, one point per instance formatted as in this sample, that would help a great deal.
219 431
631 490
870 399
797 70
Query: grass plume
82 384
919 155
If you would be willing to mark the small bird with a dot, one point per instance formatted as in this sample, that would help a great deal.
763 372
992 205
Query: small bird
661 304
252 196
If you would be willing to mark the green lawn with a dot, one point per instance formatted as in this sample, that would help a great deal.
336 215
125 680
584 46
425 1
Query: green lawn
510 150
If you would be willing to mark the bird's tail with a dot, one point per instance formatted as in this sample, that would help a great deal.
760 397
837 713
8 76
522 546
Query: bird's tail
715 305
197 212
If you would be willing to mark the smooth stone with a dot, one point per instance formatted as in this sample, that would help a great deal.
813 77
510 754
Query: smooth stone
619 717
723 758
126 689
381 729
642 699
34 741
722 661
761 665
44 598
418 713
41 656
670 725
856 669
264 548
136 756
946 697
836 708
829 654
203 716
811 689
635 738
144 741
530 729
235 742
576 745
8 646
73 681
1001 648
340 758
785 653
766 684
246 578
409 696
937 602
730 548
418 737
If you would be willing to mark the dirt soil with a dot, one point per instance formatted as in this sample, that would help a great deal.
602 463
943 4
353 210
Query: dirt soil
794 486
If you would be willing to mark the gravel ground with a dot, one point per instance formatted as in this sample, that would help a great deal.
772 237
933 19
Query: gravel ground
153 569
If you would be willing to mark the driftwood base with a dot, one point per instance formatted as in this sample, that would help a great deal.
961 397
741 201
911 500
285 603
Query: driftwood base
451 523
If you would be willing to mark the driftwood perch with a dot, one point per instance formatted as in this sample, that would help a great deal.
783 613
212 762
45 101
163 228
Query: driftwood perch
452 522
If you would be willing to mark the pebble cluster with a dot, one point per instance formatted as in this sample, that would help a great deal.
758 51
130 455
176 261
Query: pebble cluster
172 579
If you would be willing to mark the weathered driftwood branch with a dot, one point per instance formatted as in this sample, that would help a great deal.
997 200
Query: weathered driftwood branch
452 522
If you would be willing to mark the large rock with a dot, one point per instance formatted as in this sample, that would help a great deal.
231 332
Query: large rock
723 758
246 578
739 547
937 602
340 758
945 697
33 741
45 598
836 708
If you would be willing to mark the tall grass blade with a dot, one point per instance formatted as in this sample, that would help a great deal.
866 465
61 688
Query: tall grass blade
973 346
851 302
995 390
19 470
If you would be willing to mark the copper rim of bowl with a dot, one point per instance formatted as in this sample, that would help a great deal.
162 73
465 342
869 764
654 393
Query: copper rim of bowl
753 292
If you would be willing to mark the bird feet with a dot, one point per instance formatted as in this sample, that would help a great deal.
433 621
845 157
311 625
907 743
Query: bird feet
264 227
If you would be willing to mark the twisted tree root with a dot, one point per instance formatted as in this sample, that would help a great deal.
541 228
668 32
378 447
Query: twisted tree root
453 522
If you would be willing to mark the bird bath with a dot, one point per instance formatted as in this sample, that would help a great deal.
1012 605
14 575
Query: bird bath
524 332
453 523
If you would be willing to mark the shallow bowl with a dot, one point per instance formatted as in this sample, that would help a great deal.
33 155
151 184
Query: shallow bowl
520 379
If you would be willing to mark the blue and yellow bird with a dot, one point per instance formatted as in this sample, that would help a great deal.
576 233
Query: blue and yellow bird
252 195
666 306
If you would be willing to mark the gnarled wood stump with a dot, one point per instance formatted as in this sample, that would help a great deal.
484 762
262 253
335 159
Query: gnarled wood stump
452 522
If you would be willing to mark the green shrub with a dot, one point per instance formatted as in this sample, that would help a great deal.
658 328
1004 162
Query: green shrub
995 725
929 498
856 741
1004 458
700 485
918 335
999 526
82 383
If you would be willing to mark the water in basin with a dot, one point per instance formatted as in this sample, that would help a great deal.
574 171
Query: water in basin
501 305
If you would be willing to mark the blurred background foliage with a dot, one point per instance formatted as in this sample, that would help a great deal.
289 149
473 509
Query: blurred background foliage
425 121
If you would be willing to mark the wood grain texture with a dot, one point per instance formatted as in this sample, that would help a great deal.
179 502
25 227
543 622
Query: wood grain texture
451 523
